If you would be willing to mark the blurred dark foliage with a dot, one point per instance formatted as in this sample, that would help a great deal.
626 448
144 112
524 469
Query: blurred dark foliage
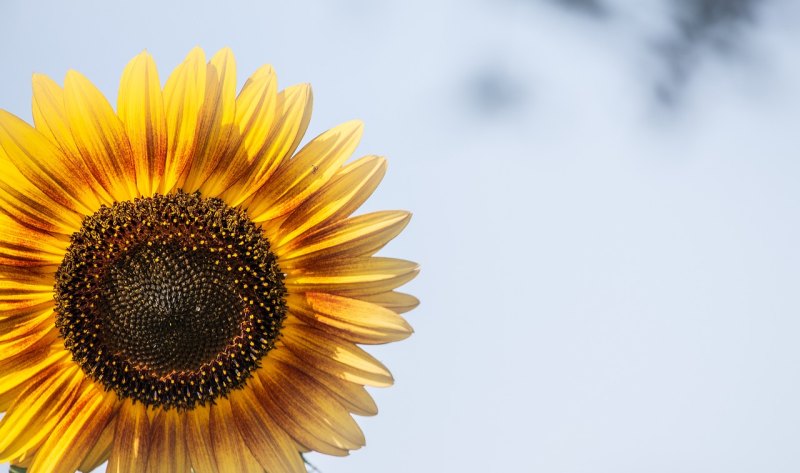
494 91
595 8
701 27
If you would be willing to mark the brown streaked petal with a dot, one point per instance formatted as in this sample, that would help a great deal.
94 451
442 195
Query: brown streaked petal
216 120
271 446
352 396
19 307
50 114
24 244
229 448
167 448
354 278
399 302
77 431
131 439
184 94
198 440
336 356
100 137
351 238
140 106
345 193
38 409
293 110
301 434
50 118
34 371
314 406
306 172
32 208
44 321
43 166
101 450
18 349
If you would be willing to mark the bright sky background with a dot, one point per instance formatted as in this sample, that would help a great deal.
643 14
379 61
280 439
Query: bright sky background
606 209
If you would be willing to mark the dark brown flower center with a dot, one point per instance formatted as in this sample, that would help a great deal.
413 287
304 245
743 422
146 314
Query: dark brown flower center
169 300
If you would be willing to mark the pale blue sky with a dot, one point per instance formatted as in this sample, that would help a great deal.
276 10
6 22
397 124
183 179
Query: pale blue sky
606 212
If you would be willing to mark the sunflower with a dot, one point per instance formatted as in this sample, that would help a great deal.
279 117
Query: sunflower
179 289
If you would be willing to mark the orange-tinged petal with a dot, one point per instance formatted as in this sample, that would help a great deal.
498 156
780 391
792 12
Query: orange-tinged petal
100 137
131 439
309 170
349 188
184 95
140 106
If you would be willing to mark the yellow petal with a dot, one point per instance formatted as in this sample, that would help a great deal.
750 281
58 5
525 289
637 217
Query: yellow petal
38 409
50 114
77 431
268 443
229 448
23 246
42 322
50 118
351 395
131 439
184 94
101 450
355 278
396 301
349 188
255 115
314 406
167 449
310 169
33 369
198 440
350 238
293 110
333 355
216 120
302 434
15 351
352 319
100 137
140 106
44 167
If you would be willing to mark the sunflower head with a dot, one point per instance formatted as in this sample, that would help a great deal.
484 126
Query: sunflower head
181 288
